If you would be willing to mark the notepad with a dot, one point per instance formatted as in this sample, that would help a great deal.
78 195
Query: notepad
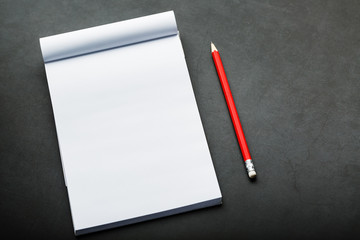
130 136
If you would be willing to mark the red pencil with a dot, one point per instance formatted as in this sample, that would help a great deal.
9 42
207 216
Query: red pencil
233 113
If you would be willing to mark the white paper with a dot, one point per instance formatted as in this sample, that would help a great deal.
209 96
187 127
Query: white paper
108 36
130 135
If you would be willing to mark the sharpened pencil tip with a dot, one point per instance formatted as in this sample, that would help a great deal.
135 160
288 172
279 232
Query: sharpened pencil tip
213 48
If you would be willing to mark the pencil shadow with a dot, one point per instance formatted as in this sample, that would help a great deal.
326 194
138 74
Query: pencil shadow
253 180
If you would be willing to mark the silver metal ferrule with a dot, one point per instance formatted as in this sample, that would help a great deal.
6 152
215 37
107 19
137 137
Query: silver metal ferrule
250 168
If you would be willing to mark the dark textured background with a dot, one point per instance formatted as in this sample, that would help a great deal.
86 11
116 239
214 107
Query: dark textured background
294 70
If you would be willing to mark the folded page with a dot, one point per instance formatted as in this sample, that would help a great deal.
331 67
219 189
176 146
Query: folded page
108 36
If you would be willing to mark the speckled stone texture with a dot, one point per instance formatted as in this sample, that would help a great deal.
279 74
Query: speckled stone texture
294 71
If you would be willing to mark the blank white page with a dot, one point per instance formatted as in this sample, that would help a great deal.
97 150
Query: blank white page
130 135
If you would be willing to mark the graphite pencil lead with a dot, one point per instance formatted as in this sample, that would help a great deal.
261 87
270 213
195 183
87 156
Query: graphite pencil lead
213 48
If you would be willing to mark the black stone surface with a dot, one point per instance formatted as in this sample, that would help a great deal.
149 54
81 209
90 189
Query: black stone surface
294 71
